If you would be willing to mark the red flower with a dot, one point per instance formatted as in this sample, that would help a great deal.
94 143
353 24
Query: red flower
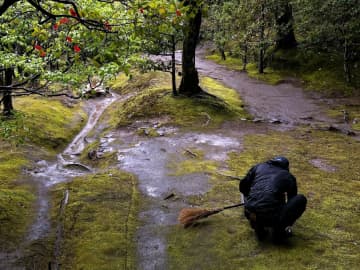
141 10
76 48
38 47
68 39
55 26
64 20
73 12
42 54
107 26
178 13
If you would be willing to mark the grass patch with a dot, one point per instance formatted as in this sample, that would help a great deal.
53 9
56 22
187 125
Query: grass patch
99 221
327 236
155 100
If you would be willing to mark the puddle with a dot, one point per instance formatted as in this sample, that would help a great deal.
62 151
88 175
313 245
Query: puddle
148 159
323 165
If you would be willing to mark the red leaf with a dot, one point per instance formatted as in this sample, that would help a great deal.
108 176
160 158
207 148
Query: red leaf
42 54
107 26
38 47
73 12
55 26
76 48
68 39
141 10
178 13
64 20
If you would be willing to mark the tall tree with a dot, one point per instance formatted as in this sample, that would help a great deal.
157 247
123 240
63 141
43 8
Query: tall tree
333 27
285 37
189 85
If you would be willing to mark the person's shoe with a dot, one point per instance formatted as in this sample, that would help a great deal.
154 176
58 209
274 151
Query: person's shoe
288 232
261 233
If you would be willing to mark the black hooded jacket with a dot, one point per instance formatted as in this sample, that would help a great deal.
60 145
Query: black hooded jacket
265 185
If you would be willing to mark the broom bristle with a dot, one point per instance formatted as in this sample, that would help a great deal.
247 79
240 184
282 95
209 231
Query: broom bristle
188 216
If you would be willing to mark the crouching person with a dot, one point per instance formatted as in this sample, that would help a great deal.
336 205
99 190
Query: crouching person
271 199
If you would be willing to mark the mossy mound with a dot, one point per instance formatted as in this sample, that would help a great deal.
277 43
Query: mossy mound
48 122
154 100
99 221
326 236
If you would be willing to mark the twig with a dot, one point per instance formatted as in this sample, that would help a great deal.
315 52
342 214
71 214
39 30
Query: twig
191 153
208 118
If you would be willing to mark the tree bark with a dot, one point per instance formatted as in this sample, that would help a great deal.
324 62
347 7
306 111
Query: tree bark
189 85
347 71
173 67
261 64
285 30
7 98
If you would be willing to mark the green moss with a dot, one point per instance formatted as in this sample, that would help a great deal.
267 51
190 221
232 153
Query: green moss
11 163
326 236
15 215
103 161
99 221
353 114
269 76
42 122
157 101
318 71
230 62
15 200
48 122
138 81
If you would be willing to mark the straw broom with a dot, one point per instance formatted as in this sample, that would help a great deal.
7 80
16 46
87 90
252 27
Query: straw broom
188 216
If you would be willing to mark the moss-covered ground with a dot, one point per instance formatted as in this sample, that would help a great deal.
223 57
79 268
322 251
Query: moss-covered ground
99 221
101 215
315 71
269 76
39 127
156 100
326 236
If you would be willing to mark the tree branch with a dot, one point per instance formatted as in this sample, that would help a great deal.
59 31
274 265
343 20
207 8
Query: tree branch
6 5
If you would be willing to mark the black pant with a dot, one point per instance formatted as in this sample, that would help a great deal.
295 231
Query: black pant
279 220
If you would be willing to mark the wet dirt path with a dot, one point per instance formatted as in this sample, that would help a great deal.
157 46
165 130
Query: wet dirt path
283 102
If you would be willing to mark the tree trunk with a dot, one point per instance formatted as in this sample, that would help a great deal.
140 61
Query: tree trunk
7 98
261 41
347 71
189 85
245 57
222 52
173 67
285 37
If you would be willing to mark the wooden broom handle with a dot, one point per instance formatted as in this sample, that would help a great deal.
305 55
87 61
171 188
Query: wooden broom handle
232 206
